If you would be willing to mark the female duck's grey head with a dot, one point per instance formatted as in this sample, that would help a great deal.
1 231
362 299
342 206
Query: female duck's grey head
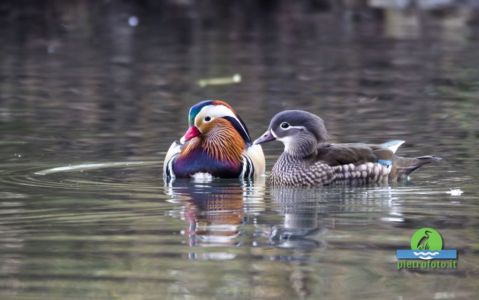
299 131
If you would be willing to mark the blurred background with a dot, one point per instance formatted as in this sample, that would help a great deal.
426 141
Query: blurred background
120 67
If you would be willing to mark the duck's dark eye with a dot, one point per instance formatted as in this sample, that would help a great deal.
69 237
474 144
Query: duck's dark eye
284 125
207 118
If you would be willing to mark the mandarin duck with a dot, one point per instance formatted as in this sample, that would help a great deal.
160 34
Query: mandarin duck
216 144
309 160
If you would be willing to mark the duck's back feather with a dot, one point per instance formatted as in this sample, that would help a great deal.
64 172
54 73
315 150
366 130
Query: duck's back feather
356 154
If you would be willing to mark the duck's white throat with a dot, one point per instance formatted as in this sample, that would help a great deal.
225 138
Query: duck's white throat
285 140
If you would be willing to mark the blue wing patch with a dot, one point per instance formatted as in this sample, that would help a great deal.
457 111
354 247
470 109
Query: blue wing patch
385 162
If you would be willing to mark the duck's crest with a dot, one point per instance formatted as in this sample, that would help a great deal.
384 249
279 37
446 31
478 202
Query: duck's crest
195 109
393 145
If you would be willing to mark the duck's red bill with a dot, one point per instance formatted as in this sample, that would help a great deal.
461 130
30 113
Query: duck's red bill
192 132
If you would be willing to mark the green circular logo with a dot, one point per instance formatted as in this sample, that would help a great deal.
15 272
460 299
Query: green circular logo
426 239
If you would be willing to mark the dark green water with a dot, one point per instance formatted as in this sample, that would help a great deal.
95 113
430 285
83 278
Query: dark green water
85 87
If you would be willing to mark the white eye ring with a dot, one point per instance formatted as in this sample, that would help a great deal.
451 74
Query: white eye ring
207 119
284 125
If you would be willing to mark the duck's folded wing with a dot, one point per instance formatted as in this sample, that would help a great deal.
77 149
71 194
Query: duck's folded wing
356 154
170 157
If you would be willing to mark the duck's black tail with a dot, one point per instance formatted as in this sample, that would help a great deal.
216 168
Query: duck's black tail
403 166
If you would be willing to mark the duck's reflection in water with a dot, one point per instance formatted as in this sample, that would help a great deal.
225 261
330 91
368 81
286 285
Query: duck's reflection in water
308 212
229 220
229 213
214 217
215 211
301 227
315 229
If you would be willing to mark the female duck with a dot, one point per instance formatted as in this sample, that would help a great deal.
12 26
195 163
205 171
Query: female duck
308 160
216 144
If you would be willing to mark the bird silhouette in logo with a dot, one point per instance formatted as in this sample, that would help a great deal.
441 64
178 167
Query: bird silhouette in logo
423 243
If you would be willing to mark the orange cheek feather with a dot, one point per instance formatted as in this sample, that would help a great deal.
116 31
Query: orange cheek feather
222 141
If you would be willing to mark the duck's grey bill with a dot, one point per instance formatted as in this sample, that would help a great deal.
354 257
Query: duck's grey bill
266 137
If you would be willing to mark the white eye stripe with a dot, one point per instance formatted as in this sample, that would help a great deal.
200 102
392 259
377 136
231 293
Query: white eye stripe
295 127
217 111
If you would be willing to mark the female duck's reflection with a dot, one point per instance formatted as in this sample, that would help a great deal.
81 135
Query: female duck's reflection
306 215
214 211
308 212
301 227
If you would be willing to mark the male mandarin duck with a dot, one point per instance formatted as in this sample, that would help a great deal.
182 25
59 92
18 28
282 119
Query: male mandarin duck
308 160
216 144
